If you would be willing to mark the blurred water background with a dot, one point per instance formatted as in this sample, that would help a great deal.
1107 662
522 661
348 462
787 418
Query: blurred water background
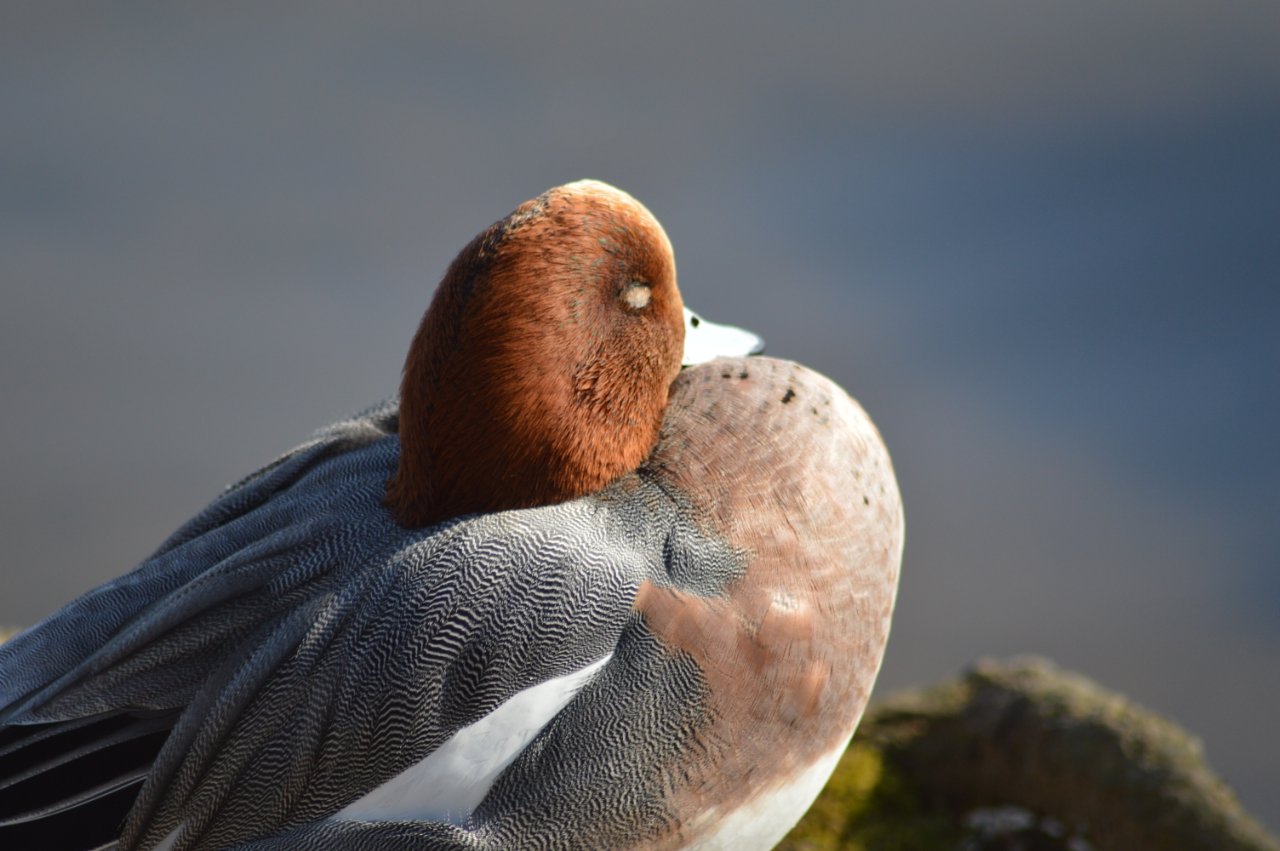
1039 242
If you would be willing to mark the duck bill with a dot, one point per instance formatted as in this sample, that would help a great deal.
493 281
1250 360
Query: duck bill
704 341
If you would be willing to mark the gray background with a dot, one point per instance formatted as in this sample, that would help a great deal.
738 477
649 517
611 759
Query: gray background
1037 240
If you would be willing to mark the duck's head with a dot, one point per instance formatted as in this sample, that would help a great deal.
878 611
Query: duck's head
541 369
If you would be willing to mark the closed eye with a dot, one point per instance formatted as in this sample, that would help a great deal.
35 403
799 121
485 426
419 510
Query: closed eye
637 295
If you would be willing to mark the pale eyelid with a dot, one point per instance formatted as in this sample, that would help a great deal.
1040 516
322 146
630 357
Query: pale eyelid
637 296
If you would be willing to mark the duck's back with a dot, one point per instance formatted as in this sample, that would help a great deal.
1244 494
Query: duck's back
292 643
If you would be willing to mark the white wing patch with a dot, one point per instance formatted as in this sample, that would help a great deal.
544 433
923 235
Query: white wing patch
451 782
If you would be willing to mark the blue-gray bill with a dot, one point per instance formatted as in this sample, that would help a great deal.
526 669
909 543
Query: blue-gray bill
704 341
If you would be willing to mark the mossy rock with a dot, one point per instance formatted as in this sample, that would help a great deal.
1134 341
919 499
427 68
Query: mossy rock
868 804
1022 756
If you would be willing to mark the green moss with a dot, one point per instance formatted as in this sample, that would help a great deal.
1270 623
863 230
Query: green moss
841 803
867 806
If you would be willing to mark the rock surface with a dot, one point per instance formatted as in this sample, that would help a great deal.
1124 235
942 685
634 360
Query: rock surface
1022 755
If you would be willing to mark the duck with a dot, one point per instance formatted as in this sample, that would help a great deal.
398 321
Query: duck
601 576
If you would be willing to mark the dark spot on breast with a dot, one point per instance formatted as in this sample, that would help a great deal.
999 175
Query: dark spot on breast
790 394
865 500
726 374
814 410
742 374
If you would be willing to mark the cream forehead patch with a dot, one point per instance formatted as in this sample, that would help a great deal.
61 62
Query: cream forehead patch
637 296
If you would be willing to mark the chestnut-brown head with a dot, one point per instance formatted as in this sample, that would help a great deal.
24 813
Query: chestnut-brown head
541 369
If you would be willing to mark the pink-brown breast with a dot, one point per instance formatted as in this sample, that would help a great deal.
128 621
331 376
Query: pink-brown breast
779 462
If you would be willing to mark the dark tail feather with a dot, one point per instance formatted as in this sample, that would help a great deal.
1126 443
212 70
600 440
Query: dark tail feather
70 785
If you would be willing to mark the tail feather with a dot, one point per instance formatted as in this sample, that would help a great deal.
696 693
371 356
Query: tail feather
71 784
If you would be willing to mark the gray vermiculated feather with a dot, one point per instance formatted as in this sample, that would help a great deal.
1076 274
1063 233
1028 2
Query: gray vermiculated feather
316 649
583 784
213 556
